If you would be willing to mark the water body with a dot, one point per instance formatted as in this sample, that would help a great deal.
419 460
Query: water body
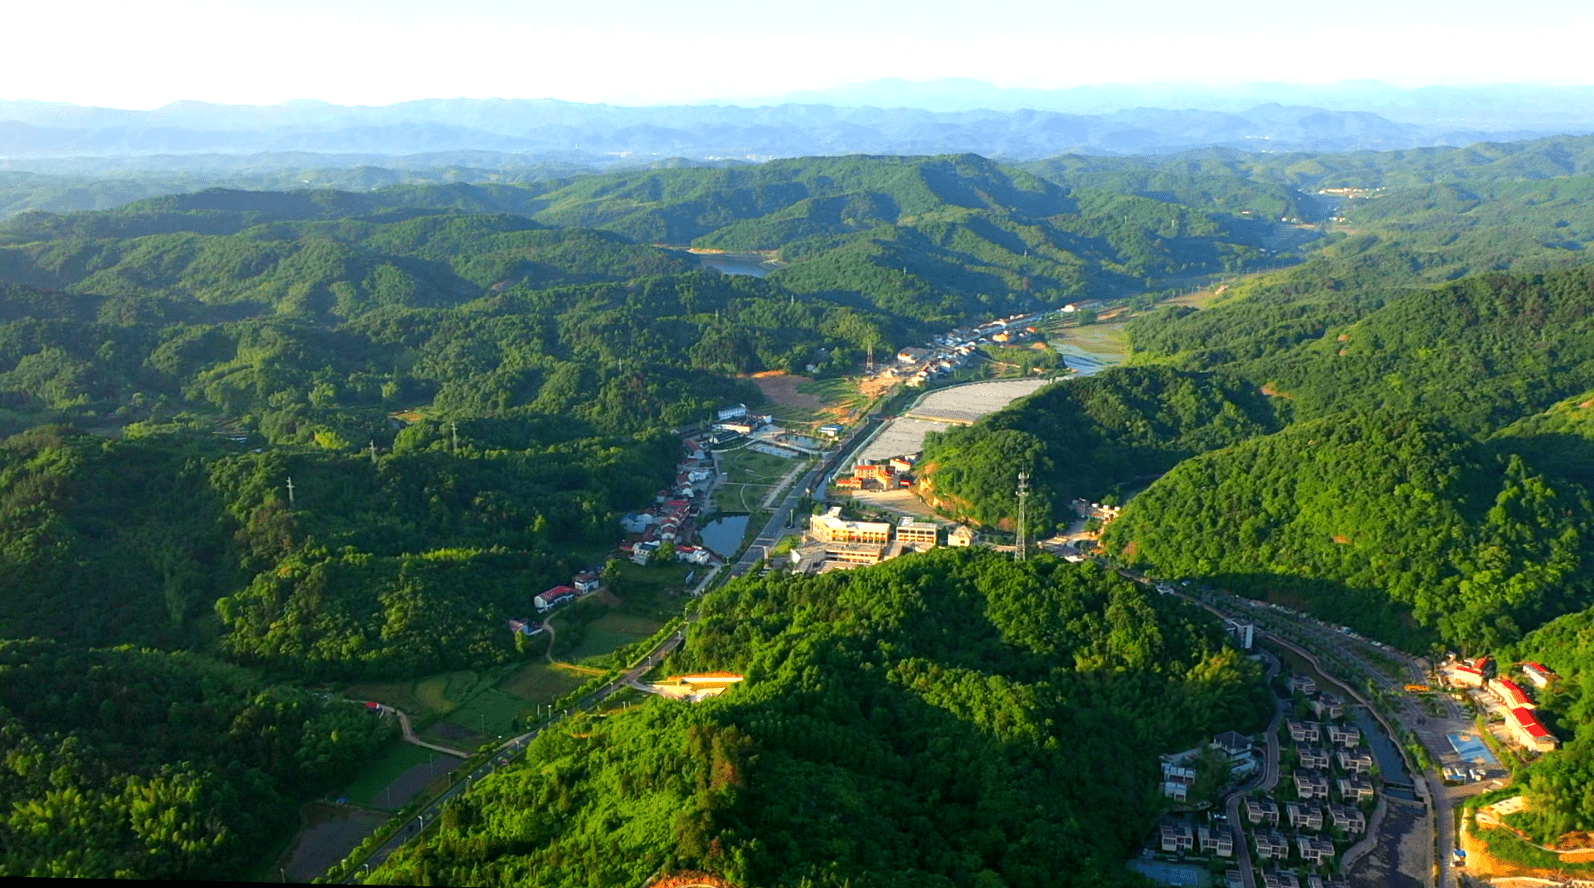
723 535
735 263
1085 363
1391 765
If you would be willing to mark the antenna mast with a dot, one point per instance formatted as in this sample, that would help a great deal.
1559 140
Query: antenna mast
1020 544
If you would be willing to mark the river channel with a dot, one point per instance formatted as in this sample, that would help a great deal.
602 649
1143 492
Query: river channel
1391 764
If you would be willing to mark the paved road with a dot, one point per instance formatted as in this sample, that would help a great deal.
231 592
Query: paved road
1401 707
805 485
1266 780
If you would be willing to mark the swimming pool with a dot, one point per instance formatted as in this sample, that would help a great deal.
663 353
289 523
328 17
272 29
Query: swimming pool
1472 748
1173 873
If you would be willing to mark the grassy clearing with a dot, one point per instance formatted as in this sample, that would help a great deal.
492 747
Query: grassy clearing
379 773
747 466
834 391
541 682
432 694
1109 340
649 584
490 713
400 694
739 497
611 632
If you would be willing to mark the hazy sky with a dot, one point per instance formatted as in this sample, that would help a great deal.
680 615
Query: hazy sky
144 54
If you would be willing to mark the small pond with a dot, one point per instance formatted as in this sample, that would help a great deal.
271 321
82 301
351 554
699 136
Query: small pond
723 535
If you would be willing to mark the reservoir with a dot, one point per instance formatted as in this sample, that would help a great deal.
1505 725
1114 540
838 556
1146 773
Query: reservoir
753 264
723 535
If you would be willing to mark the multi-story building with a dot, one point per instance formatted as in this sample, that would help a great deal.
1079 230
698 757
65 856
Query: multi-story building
1216 841
1260 811
921 535
832 528
1347 818
1303 815
1311 784
1303 731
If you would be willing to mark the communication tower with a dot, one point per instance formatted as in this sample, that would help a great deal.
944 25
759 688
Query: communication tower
1020 543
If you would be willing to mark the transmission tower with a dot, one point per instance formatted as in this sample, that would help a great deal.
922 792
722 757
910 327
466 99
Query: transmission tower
1022 539
373 453
290 493
454 427
871 359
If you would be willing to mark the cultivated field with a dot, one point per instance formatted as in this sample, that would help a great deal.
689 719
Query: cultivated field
967 403
900 437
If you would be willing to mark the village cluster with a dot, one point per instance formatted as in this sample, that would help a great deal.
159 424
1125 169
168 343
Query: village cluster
665 527
953 349
1505 699
1314 813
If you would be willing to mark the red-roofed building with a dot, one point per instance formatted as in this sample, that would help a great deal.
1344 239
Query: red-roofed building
1510 694
1541 676
553 598
1530 732
1466 677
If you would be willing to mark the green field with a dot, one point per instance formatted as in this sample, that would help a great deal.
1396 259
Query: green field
652 589
541 683
739 497
612 632
491 712
833 391
380 772
1111 341
745 466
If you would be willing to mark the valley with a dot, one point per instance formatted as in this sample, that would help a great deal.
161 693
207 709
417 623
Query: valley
278 466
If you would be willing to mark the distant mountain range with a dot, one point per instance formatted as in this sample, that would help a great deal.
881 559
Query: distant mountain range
952 116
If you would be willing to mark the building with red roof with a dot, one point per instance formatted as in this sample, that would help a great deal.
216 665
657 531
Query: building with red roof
1540 675
1511 694
1466 677
1530 732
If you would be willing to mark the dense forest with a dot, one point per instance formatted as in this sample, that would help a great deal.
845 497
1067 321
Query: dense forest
131 764
952 718
1373 519
1087 438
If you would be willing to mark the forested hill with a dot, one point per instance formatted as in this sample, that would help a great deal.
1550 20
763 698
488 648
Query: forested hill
1391 522
1482 352
1390 244
127 764
922 237
1084 438
947 718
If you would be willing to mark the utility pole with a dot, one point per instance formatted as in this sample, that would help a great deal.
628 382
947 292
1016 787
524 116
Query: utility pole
290 492
1021 543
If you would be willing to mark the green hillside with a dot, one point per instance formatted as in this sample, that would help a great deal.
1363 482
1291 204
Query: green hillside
1085 438
950 718
1391 522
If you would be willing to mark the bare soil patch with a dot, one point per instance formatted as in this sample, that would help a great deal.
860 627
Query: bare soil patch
328 833
781 389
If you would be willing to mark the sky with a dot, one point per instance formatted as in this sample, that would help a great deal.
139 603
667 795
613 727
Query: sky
119 54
